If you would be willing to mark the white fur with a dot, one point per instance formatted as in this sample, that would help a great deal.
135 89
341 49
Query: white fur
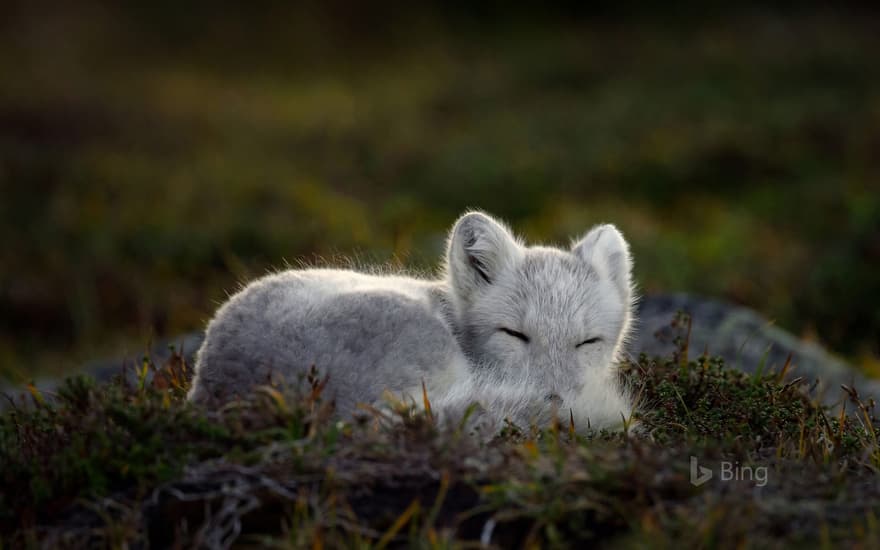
501 327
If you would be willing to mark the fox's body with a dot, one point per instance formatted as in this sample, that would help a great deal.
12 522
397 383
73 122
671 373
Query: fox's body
522 331
369 333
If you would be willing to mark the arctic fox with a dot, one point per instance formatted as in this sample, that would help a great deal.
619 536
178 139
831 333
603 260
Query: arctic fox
522 331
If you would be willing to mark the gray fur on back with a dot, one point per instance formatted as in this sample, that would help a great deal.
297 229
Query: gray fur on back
369 333
520 330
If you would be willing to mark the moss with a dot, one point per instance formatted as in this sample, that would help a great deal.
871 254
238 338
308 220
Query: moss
126 462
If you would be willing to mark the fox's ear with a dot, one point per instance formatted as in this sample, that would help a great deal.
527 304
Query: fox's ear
605 249
479 248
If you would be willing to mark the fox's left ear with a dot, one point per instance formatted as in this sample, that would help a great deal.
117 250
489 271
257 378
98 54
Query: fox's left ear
605 249
479 250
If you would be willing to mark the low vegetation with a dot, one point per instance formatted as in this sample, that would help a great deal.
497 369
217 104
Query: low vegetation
132 463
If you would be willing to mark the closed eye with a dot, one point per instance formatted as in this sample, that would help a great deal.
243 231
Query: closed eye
515 334
589 341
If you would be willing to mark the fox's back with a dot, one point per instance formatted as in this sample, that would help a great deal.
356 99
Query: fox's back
369 333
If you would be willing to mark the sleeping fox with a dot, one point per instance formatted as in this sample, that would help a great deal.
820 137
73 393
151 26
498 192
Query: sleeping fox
524 332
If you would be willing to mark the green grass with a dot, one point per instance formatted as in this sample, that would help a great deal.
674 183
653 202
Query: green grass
131 462
151 159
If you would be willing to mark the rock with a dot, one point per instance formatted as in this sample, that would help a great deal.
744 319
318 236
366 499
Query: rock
746 341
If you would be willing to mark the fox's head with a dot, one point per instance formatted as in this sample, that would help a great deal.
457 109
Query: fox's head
545 320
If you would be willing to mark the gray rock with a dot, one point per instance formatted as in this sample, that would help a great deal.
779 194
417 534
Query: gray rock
746 341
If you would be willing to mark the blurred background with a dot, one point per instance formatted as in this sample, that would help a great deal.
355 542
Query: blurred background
154 154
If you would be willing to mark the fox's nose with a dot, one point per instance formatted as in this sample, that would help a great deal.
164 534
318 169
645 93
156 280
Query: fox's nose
554 399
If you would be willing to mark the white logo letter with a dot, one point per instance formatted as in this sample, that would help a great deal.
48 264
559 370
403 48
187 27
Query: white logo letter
699 474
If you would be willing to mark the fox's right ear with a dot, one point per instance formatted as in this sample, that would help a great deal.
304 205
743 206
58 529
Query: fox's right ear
605 249
479 248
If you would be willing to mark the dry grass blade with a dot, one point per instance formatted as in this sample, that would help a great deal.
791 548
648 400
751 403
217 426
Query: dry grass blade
427 403
398 524
781 376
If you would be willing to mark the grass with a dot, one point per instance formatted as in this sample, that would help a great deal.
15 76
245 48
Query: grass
150 158
132 462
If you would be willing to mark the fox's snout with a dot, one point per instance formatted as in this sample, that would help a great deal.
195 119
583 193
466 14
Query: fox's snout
553 398
559 394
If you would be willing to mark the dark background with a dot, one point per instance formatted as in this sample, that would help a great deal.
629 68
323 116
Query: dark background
153 154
